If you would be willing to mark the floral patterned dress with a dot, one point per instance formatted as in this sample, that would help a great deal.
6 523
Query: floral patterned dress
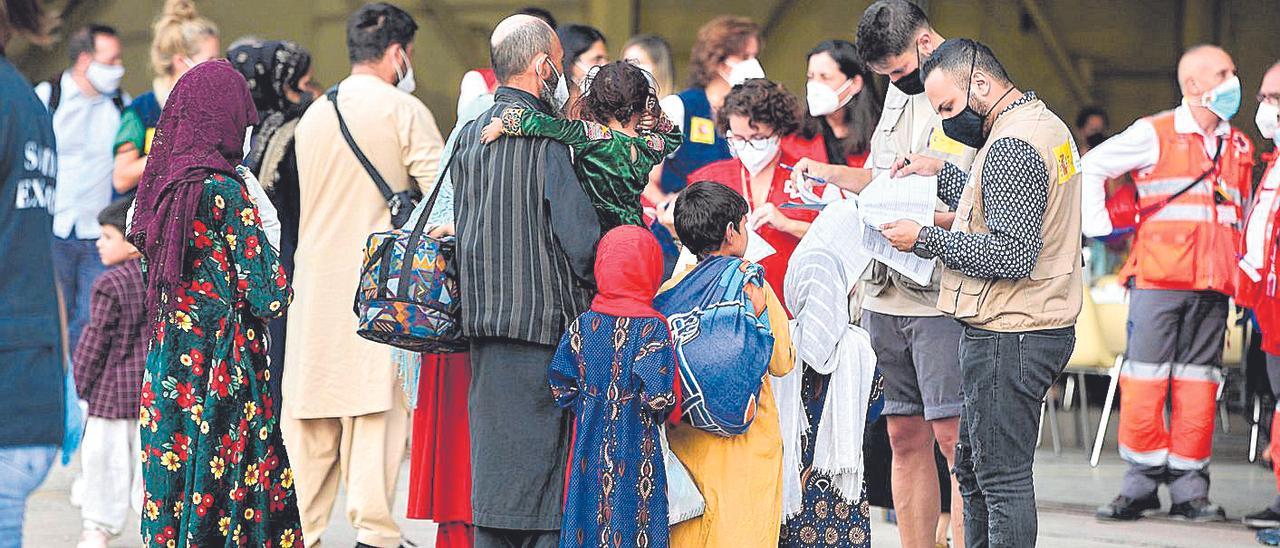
214 465
826 519
617 375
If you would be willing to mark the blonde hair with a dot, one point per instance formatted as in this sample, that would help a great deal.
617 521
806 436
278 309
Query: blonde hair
178 31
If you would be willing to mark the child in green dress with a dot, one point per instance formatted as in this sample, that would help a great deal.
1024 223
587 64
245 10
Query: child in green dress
620 137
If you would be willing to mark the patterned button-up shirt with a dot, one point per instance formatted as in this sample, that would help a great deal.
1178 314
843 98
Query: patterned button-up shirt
1015 193
112 351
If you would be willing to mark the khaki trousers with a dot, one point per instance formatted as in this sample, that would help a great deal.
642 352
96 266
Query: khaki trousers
363 455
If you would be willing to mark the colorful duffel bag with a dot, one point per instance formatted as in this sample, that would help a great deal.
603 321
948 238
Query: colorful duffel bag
722 347
411 304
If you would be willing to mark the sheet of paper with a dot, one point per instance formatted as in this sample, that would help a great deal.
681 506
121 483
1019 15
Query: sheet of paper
888 199
914 267
757 247
835 228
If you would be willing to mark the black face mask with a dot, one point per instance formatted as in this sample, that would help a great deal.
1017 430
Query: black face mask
910 83
1095 139
966 127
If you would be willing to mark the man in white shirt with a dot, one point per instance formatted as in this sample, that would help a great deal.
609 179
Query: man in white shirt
1193 173
86 102
344 417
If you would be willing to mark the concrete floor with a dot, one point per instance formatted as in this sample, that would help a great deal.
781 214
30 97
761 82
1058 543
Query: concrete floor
1067 488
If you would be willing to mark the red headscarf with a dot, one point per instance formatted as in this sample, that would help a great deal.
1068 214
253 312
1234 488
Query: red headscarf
628 273
200 133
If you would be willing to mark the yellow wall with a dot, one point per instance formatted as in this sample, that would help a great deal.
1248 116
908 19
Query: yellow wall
1124 50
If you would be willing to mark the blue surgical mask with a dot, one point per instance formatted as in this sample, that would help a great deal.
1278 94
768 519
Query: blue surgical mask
1224 99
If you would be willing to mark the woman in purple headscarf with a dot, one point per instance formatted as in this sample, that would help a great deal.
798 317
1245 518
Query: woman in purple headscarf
214 465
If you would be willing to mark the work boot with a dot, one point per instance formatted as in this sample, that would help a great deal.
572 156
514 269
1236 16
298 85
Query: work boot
1198 510
1265 519
1126 509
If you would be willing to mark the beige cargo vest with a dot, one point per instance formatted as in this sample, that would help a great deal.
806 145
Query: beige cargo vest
1051 296
899 132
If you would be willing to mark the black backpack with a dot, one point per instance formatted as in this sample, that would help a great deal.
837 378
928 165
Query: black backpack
55 95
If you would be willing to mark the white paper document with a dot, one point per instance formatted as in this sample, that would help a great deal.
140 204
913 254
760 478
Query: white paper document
757 247
836 229
887 199
914 267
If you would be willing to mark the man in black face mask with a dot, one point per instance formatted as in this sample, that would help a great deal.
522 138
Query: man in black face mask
1013 275
914 342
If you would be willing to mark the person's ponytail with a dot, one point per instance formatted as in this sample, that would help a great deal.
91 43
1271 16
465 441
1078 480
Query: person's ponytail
178 31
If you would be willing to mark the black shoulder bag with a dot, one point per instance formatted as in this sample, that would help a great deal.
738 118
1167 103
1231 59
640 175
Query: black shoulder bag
401 203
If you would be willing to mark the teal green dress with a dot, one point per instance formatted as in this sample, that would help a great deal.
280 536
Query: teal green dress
612 167
213 463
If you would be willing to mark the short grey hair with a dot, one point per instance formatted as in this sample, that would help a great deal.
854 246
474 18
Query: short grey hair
511 50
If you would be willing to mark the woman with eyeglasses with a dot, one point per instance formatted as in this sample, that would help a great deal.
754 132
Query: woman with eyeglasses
756 117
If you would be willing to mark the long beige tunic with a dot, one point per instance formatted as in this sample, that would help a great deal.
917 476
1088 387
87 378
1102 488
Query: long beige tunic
329 370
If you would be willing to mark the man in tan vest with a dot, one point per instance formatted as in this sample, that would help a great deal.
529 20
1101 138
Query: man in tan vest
1012 276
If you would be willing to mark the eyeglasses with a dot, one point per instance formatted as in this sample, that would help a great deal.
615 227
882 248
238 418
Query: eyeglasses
759 143
1273 98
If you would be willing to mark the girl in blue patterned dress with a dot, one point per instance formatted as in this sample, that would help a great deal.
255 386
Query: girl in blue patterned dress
615 369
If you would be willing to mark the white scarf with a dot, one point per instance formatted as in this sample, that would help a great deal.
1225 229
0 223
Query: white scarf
817 290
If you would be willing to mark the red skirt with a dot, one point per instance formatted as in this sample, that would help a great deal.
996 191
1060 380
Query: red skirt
440 454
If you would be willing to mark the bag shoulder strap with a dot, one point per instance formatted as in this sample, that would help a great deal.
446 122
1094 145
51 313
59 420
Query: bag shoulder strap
383 187
1147 212
55 92
420 229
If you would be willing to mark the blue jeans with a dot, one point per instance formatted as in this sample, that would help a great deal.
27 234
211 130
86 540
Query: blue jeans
1006 375
77 264
22 469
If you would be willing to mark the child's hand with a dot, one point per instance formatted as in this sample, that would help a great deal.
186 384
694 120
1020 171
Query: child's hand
492 131
647 122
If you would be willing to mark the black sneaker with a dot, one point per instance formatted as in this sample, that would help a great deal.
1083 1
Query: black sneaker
1199 510
1126 509
1265 519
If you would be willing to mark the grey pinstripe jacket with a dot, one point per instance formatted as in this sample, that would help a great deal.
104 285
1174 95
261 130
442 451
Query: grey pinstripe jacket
526 232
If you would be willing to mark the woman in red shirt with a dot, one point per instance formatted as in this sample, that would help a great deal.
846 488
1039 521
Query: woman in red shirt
757 115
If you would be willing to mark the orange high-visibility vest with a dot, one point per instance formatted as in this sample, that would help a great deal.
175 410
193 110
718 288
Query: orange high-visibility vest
1262 296
1191 243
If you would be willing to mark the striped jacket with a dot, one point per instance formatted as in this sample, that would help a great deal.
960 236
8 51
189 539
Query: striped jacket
526 232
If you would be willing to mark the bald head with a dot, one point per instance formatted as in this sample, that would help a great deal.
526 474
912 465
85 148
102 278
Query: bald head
517 42
1203 67
1270 87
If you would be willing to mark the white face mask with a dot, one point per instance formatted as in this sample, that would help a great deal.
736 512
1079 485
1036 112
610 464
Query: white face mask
104 78
755 155
560 95
823 100
1268 118
743 71
406 83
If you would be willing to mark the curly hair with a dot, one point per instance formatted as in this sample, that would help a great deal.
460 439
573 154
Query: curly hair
717 40
617 91
762 102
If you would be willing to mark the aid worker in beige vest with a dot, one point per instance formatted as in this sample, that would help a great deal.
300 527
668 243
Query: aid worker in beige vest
1012 276
915 344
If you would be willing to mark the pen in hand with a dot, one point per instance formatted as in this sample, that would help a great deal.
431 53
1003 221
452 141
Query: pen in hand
814 178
